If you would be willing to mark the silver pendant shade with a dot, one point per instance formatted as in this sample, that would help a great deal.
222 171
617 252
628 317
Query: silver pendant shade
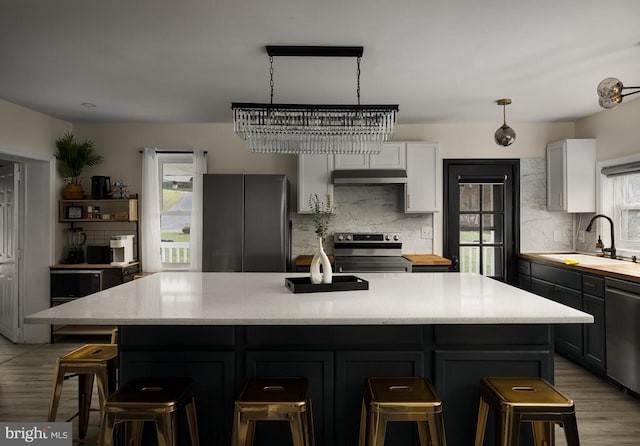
505 135
318 128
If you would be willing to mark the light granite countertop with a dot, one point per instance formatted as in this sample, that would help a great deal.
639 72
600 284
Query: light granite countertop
189 298
587 263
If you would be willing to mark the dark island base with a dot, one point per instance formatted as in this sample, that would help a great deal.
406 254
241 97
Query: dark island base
336 360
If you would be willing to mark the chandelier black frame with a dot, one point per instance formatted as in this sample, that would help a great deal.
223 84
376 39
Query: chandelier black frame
314 128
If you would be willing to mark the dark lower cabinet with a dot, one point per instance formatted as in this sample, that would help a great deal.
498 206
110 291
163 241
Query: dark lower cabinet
352 367
317 367
594 334
585 344
568 336
456 369
335 360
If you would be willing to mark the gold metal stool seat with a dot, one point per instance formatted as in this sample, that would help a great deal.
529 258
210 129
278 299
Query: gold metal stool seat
273 399
388 399
514 400
90 360
150 399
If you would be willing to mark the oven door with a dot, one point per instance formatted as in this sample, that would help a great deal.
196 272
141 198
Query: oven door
75 283
372 264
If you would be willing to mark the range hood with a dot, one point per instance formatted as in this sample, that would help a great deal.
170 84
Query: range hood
370 176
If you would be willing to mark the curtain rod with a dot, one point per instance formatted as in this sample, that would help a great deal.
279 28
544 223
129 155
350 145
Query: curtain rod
174 151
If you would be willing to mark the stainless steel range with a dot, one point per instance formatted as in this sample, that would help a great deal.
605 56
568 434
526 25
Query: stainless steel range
369 252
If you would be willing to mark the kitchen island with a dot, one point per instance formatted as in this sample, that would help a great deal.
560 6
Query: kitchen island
221 328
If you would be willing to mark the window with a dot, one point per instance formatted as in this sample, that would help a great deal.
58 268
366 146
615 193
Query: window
620 199
176 198
171 211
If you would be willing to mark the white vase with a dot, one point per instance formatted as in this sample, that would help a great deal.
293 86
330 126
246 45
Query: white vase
320 260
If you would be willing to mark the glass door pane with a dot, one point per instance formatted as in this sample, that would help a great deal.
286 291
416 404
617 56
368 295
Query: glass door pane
481 230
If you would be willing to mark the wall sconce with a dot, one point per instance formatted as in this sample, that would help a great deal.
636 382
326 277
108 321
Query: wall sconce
505 135
610 92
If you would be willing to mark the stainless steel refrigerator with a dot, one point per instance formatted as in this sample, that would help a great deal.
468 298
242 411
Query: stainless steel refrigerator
246 223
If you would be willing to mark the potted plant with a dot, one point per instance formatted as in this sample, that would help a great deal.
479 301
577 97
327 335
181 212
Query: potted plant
322 215
72 158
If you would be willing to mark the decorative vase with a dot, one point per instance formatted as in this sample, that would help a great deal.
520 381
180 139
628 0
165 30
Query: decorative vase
320 260
73 191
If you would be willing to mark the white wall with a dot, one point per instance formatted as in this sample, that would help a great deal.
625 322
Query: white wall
28 137
617 130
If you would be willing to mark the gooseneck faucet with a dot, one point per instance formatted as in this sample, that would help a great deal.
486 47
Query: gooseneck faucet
611 250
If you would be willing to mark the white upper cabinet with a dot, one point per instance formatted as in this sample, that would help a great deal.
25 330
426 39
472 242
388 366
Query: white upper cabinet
314 177
392 156
420 159
571 175
424 177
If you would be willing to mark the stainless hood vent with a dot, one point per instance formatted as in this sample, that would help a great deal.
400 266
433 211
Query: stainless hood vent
370 176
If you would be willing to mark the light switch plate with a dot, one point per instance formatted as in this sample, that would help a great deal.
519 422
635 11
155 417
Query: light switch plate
557 235
426 232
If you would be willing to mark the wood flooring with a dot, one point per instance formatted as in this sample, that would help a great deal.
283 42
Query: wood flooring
606 416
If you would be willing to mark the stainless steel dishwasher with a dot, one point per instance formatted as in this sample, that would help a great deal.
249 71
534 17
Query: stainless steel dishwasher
622 308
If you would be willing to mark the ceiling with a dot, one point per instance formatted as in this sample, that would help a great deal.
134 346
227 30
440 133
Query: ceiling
441 61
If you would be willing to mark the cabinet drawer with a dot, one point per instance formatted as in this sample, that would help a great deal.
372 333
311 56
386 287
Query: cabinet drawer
593 285
558 276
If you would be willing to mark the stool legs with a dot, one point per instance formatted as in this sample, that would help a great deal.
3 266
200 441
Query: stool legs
85 389
55 394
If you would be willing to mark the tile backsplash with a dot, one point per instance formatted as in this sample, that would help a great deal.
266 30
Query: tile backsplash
370 208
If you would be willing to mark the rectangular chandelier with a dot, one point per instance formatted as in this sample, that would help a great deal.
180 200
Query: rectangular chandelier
318 128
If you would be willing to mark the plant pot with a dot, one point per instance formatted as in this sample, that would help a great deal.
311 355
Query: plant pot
73 191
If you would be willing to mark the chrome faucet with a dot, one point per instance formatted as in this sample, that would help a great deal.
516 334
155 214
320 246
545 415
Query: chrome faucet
611 250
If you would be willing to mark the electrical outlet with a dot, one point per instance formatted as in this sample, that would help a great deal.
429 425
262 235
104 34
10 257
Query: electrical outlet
426 232
581 236
557 235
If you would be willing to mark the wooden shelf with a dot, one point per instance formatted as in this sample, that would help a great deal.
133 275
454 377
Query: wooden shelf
123 210
86 330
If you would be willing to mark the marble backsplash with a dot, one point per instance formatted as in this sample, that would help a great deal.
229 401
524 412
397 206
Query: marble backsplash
379 208
370 208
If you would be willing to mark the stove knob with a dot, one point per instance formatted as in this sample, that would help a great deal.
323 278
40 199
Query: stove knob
387 237
340 237
396 238
349 237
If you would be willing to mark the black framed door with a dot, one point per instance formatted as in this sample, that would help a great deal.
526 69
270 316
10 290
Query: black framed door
481 216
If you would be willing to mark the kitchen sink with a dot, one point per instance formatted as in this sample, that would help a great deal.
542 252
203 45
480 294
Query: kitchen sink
586 259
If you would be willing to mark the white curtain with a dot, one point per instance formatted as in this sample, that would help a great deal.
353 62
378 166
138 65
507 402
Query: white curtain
195 237
150 212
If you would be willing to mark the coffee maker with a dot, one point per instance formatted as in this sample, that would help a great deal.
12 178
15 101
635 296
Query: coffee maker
121 249
76 239
100 187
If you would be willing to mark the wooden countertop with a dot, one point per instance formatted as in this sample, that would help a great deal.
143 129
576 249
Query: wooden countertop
86 265
426 259
306 260
620 269
415 259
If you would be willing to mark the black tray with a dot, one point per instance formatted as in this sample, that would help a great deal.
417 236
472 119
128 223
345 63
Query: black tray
339 283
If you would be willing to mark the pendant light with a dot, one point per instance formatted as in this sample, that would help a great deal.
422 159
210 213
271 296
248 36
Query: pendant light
505 135
610 92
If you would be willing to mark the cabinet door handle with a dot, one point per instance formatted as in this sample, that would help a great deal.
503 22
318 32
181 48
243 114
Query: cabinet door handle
408 201
592 285
561 200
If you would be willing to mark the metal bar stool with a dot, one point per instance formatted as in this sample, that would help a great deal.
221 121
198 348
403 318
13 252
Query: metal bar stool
90 360
150 399
273 399
401 399
514 400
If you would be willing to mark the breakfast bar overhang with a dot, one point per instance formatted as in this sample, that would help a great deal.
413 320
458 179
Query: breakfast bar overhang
220 328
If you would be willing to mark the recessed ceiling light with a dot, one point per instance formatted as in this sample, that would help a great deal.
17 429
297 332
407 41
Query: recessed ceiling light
88 104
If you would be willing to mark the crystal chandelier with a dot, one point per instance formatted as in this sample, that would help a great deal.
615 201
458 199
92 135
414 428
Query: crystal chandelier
610 92
316 128
505 135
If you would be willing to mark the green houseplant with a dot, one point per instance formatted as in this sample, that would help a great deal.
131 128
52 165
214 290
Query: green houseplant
73 157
